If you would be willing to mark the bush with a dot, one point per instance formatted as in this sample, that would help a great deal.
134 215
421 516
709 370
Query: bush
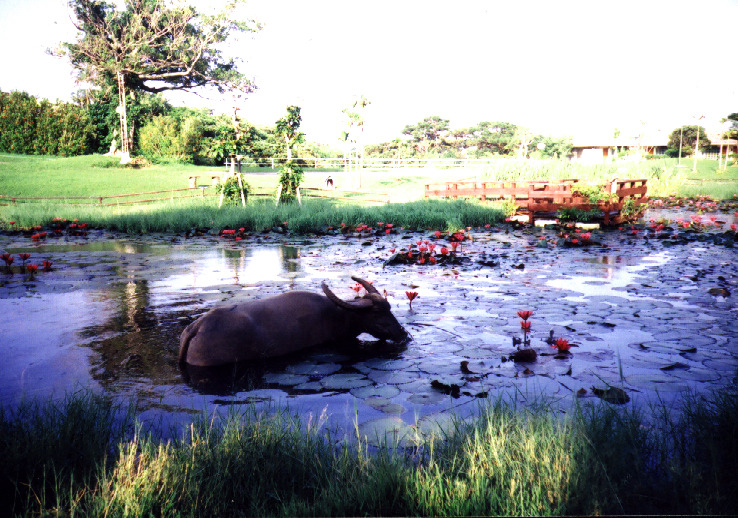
167 138
30 127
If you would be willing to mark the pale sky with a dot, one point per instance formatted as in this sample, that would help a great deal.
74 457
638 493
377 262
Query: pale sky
557 67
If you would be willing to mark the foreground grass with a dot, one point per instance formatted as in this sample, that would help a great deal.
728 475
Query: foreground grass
59 458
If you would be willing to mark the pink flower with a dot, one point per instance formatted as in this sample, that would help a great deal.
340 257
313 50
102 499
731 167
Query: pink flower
525 325
525 314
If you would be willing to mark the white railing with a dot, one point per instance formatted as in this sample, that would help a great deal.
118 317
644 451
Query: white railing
378 163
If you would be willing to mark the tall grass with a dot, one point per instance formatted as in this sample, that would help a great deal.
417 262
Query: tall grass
513 461
315 215
663 176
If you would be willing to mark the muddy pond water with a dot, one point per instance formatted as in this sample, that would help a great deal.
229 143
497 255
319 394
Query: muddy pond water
652 319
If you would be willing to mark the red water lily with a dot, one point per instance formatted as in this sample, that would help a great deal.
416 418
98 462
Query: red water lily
411 295
561 344
47 265
31 268
525 314
525 325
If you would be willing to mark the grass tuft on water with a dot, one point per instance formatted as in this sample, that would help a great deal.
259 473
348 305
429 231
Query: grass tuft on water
66 458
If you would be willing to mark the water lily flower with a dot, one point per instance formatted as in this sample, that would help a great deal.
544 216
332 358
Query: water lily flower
411 295
561 344
47 265
437 233
444 250
733 227
31 268
11 222
24 256
432 260
454 246
8 259
525 325
525 314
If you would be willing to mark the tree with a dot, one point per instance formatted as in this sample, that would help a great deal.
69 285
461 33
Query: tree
153 46
291 175
732 132
686 137
427 133
353 136
495 137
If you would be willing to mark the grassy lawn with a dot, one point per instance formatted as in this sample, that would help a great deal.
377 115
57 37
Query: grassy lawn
354 201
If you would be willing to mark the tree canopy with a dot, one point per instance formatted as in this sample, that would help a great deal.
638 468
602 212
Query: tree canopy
152 46
732 132
687 135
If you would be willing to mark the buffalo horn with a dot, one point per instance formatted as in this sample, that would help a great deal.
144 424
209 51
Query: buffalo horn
368 287
355 304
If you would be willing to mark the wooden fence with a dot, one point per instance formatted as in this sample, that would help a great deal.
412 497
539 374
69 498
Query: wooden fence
541 198
190 192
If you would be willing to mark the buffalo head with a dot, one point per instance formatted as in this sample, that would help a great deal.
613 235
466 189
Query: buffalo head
373 311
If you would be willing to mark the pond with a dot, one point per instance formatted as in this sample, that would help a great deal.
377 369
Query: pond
653 319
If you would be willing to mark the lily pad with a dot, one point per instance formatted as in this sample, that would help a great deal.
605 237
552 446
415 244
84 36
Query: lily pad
388 431
313 369
614 395
371 391
286 379
344 381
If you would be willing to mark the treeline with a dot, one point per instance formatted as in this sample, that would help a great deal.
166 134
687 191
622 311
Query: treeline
32 127
432 137
158 131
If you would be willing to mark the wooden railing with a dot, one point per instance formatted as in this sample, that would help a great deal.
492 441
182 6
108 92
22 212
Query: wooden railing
543 198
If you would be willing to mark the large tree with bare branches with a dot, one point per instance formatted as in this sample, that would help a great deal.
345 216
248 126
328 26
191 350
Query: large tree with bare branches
152 46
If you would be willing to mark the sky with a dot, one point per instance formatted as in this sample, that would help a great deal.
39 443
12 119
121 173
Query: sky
578 68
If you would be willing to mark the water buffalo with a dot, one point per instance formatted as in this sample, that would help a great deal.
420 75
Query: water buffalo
283 324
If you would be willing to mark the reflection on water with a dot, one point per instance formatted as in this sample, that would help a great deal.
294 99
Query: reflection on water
110 314
124 331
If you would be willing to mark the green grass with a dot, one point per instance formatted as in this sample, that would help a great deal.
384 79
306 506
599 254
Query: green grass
97 175
63 458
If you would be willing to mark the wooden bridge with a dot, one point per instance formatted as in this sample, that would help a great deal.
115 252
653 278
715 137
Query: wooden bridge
544 199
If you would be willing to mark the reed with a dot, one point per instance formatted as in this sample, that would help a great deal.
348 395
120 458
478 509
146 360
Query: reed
593 459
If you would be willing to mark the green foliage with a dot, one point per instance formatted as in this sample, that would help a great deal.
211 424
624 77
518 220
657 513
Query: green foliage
153 46
687 136
166 137
290 175
83 458
31 127
428 133
232 191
